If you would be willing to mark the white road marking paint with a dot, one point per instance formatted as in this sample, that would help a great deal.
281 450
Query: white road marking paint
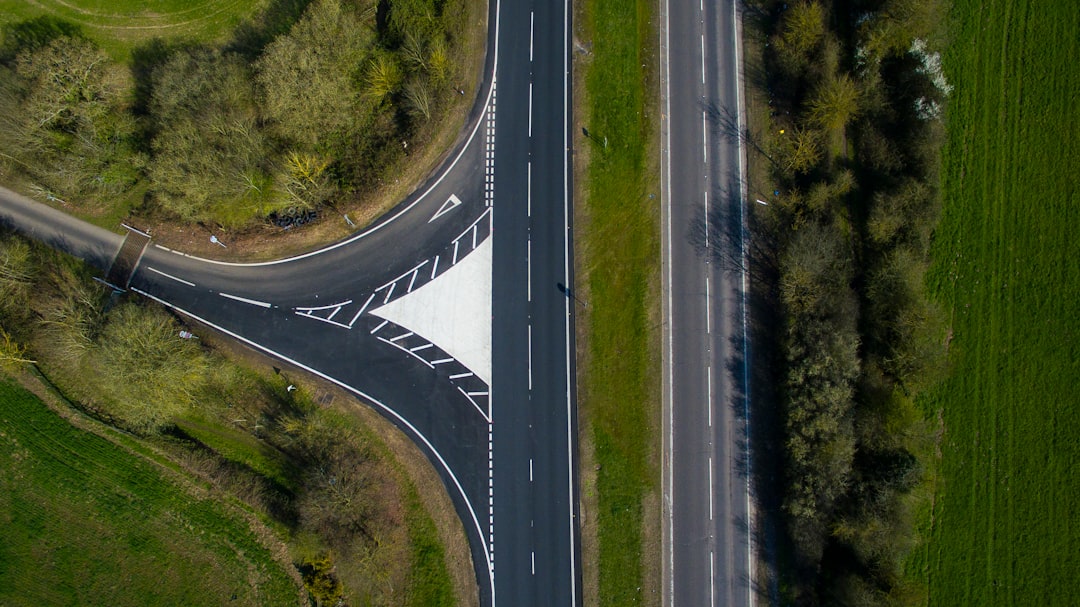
478 393
703 58
532 19
451 203
389 292
321 308
454 260
528 269
570 522
389 411
434 268
528 189
707 224
710 489
530 109
486 416
708 308
534 562
334 313
412 280
164 248
402 336
530 356
261 304
665 195
381 325
423 347
442 361
461 375
704 139
530 470
321 319
737 37
712 579
474 236
407 351
708 390
180 280
361 310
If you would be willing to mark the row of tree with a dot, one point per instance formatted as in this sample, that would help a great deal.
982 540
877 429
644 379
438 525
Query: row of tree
305 115
853 148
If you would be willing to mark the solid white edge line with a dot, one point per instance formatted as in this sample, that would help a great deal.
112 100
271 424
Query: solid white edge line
566 275
180 280
261 304
360 393
740 103
667 483
489 553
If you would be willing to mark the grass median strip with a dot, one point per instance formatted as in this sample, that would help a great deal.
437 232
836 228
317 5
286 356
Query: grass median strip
618 264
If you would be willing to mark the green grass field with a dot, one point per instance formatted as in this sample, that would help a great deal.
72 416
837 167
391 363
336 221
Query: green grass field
85 522
120 25
1005 527
620 248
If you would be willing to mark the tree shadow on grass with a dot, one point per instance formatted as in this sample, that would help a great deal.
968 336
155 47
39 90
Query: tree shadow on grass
34 34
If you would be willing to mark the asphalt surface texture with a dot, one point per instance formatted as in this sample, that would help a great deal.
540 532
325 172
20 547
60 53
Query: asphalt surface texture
502 438
708 515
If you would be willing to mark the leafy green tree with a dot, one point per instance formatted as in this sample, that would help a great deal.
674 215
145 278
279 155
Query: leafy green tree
836 103
211 160
309 77
801 32
65 119
383 77
149 374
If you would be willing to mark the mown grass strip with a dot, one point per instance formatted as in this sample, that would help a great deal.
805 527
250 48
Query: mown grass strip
619 256
121 25
87 522
1003 530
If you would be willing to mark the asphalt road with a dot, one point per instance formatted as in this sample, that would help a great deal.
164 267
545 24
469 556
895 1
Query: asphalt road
498 427
707 558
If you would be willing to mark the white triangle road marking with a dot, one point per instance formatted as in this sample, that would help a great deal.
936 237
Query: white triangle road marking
451 203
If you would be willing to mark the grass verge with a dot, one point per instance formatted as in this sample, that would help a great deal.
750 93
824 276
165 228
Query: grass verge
618 261
1003 528
87 522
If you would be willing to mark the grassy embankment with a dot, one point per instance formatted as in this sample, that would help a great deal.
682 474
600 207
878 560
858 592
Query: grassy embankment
120 25
618 274
86 521
1003 530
